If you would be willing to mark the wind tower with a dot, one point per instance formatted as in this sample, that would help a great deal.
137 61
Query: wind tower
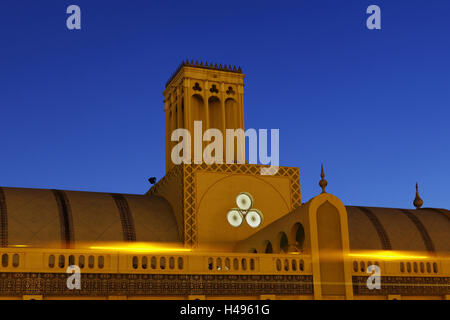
208 93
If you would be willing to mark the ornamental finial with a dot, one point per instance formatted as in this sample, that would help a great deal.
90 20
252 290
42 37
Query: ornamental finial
322 183
418 202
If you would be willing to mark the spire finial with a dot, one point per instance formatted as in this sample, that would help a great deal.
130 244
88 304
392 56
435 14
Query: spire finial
322 183
418 202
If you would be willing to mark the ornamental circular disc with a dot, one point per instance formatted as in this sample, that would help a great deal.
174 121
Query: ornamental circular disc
244 201
234 218
254 218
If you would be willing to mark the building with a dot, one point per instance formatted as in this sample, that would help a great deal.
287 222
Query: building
185 239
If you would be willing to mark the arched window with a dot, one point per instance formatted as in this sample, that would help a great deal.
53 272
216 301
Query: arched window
215 113
269 248
198 109
284 243
298 235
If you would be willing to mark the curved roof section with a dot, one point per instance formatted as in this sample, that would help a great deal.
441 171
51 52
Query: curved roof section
426 229
37 217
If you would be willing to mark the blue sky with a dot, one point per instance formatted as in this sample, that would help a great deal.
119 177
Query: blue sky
83 110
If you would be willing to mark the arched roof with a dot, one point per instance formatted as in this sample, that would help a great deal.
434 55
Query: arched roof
38 217
373 228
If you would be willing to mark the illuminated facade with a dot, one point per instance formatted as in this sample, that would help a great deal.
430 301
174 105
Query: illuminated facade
182 239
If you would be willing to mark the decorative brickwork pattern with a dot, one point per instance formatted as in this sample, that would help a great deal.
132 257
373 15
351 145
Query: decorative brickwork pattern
54 284
408 286
183 176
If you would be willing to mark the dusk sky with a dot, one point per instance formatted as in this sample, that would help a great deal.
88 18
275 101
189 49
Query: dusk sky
83 109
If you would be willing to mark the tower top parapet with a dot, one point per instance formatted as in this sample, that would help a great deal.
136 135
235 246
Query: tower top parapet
205 65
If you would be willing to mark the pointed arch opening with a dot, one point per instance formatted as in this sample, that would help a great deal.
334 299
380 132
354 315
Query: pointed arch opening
198 108
268 247
231 114
298 236
283 242
215 113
